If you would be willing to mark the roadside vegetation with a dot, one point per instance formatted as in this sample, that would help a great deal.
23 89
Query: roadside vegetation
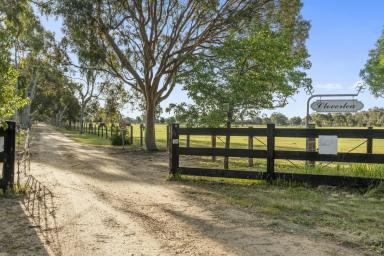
350 217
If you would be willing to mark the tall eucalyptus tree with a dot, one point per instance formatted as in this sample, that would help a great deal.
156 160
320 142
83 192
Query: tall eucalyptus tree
146 43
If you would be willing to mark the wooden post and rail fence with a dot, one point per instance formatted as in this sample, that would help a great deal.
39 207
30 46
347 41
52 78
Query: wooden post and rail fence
101 130
271 154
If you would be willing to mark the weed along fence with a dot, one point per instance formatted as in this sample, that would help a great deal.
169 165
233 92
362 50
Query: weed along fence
271 154
7 155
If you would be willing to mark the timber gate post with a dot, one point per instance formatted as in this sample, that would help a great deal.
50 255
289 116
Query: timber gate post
311 145
188 142
270 152
370 140
131 138
167 136
213 145
174 149
9 156
250 147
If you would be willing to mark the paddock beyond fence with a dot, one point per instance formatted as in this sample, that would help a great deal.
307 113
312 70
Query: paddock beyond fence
270 154
133 133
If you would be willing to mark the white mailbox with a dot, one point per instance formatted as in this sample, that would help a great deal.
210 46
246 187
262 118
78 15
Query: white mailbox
328 144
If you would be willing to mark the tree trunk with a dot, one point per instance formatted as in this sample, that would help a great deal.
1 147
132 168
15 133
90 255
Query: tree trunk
150 138
25 119
82 119
30 92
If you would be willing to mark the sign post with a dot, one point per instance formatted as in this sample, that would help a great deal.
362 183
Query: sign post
330 106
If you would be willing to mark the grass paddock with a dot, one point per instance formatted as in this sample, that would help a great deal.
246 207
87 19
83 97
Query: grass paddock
344 145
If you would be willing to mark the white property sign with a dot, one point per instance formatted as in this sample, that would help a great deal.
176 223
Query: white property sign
337 105
328 144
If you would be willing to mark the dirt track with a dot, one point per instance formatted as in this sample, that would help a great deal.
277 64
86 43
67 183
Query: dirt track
114 203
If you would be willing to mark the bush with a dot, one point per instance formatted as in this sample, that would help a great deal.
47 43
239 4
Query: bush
117 140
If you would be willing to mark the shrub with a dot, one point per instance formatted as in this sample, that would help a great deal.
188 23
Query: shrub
116 140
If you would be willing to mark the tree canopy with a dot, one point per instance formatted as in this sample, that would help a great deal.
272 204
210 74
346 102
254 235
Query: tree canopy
258 66
373 71
146 43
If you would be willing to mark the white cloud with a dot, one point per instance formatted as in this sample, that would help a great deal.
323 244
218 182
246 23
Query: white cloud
329 86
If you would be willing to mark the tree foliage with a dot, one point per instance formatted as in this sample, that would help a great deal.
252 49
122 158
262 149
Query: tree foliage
146 43
373 71
10 99
259 66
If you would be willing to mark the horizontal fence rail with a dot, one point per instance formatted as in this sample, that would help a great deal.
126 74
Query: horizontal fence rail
270 154
286 132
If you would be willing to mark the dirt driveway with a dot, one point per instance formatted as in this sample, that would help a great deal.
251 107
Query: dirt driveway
110 202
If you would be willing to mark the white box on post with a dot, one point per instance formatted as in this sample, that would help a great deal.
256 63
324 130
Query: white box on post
328 144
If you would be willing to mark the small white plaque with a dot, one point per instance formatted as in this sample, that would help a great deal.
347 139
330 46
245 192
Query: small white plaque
1 144
328 144
175 141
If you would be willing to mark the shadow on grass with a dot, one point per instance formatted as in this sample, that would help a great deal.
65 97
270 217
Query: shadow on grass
39 204
349 216
18 234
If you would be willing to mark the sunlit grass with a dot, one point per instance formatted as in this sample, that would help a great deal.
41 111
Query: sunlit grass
86 138
345 145
350 217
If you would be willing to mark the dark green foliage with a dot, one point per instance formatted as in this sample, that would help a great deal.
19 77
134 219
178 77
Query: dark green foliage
257 67
117 140
373 71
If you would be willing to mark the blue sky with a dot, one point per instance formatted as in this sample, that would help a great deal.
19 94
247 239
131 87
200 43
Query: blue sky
342 33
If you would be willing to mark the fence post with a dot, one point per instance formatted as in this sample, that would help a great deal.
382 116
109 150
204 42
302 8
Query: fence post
131 138
9 156
167 137
311 145
213 144
227 146
174 149
188 140
112 125
369 140
250 147
270 152
106 132
141 134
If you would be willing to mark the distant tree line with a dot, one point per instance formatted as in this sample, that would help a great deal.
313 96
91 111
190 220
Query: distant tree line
371 117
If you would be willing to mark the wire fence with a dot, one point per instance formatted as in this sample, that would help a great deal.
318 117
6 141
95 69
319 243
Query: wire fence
23 157
38 200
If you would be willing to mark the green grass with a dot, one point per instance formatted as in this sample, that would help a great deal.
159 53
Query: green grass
88 139
259 142
351 217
